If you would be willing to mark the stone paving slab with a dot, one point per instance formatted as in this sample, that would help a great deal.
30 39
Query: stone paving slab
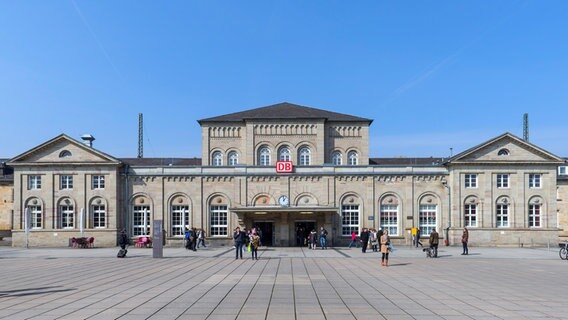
285 283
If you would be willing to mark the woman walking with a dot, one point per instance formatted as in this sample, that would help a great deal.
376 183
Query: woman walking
254 244
385 242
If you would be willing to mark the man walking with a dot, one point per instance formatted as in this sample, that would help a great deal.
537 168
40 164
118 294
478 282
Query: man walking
434 239
323 238
364 240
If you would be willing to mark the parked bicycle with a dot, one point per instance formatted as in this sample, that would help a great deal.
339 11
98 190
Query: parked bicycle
564 251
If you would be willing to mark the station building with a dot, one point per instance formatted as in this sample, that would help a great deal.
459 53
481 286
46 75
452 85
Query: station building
283 168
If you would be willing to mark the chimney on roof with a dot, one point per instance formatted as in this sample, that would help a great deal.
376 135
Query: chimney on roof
88 139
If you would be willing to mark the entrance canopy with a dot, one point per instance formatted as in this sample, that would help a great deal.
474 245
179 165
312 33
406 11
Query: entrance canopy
276 209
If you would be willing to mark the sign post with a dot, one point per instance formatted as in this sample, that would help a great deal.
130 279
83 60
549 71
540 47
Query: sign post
157 242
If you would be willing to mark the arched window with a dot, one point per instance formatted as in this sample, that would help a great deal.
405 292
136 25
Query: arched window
284 153
336 158
180 216
65 154
141 218
503 152
36 214
233 158
305 156
217 159
66 215
353 158
264 156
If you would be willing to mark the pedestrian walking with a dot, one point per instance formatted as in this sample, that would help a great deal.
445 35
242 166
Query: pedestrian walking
374 239
201 238
313 239
418 238
465 239
353 239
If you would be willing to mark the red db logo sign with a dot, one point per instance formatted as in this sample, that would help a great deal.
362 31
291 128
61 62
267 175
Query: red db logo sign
284 166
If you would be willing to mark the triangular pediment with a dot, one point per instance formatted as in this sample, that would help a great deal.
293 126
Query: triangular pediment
63 150
506 148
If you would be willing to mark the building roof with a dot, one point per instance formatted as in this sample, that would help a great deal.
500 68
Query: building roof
285 110
161 161
403 161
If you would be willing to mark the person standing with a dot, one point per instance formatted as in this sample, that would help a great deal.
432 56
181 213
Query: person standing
465 239
254 244
239 237
374 240
323 238
364 240
434 240
187 237
385 242
193 239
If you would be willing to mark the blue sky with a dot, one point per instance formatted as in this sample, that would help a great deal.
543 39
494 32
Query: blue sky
433 75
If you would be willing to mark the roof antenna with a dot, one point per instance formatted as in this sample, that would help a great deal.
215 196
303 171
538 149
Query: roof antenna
140 136
526 127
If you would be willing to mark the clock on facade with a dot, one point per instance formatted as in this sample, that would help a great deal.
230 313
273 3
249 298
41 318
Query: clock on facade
283 200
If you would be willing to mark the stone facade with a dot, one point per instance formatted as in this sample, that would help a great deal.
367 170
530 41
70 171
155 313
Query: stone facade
504 190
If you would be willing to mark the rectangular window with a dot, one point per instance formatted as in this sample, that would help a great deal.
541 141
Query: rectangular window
502 216
34 182
66 182
470 215
141 220
471 180
534 215
99 216
67 216
563 171
98 182
389 218
180 219
502 181
349 219
36 217
218 223
534 180
427 218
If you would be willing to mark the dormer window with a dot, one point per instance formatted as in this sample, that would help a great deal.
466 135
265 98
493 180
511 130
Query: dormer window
503 152
65 154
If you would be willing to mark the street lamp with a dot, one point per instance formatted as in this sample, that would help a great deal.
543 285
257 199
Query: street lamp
447 239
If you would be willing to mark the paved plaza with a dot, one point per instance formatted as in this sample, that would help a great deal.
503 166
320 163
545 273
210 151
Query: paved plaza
286 283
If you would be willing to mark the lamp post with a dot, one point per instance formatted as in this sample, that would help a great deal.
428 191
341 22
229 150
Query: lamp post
447 239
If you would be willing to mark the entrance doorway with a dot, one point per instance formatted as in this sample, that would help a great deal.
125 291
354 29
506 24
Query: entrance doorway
266 232
302 231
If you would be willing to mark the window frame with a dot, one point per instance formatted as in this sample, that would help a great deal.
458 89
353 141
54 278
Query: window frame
535 215
304 156
336 155
233 158
36 217
34 182
470 180
264 156
535 181
502 181
470 215
180 216
427 218
284 154
388 218
219 214
353 158
217 159
502 215
350 219
97 182
98 212
145 220
66 216
66 182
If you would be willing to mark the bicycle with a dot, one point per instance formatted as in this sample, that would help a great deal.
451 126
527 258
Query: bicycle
564 251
